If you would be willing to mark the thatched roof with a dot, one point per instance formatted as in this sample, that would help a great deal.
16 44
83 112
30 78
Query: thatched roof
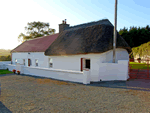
97 38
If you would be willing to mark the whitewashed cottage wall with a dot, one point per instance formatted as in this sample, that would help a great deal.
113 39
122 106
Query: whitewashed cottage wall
70 62
42 59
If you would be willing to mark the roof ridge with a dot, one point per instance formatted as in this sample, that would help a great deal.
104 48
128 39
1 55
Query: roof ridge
92 23
41 37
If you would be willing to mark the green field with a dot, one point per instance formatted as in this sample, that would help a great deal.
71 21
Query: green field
5 72
136 65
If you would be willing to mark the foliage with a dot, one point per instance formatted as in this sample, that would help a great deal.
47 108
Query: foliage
5 58
35 30
138 39
135 36
4 52
142 50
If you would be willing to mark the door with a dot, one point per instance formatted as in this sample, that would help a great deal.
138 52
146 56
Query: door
28 62
81 64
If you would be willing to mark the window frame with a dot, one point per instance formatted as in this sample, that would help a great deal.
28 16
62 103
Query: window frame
30 62
36 63
24 62
50 62
84 63
15 61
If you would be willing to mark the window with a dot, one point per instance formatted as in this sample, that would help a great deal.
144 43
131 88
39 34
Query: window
23 61
36 62
29 62
15 60
50 62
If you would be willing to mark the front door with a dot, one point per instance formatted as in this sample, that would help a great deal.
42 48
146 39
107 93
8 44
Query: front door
28 62
81 64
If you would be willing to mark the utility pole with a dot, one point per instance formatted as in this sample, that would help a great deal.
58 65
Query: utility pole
115 32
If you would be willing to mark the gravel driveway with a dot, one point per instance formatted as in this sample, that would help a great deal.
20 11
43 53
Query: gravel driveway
27 94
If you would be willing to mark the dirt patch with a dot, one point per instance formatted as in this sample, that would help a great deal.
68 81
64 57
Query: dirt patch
47 81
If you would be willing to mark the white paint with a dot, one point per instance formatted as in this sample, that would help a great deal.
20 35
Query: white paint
87 77
56 74
42 59
11 67
114 71
3 64
101 65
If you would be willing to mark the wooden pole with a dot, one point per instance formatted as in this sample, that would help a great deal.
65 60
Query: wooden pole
115 33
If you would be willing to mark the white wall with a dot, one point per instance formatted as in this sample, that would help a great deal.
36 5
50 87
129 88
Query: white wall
68 67
73 62
42 59
3 64
114 71
57 74
11 67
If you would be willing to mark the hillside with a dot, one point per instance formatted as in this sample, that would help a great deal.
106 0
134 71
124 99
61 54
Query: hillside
4 52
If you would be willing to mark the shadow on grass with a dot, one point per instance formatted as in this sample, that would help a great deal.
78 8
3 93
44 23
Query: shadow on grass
135 84
3 108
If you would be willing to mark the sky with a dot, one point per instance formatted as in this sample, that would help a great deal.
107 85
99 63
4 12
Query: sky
15 14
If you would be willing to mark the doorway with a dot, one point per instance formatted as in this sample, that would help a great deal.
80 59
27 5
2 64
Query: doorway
85 63
29 62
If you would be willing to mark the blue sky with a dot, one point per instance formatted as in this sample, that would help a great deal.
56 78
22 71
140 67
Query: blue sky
17 13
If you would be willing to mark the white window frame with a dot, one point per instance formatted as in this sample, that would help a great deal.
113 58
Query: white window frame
84 63
15 61
24 62
50 62
36 63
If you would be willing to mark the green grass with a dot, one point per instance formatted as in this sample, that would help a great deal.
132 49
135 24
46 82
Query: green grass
136 65
5 72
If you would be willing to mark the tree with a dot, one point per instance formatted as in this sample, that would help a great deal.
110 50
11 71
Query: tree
142 50
35 30
5 58
135 36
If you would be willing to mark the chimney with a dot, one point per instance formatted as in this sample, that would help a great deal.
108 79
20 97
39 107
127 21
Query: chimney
63 26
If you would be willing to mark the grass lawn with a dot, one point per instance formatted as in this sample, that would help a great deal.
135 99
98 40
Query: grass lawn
5 72
136 65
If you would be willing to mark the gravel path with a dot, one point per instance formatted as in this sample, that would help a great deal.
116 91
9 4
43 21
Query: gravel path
24 94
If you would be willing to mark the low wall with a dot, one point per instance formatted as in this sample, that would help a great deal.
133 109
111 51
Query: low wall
3 64
11 67
66 75
114 71
56 74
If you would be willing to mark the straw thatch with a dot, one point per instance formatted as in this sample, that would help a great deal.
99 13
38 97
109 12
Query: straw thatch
97 38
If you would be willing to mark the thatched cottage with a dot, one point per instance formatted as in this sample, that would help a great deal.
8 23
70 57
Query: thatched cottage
75 48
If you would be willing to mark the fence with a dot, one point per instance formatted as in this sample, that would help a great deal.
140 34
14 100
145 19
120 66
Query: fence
140 70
